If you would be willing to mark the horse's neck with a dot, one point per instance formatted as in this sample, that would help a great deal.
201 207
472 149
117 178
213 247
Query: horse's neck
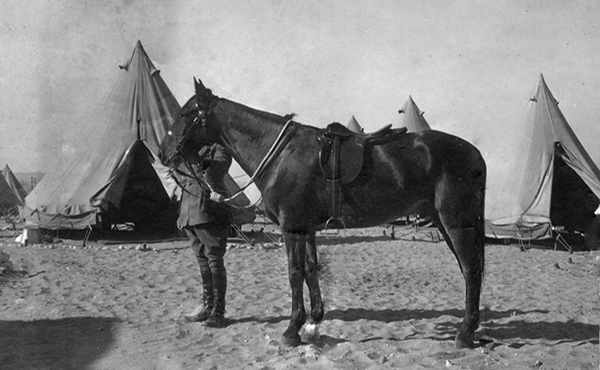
247 133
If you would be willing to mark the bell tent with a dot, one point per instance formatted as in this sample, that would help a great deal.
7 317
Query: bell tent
413 118
540 176
14 183
353 125
9 200
116 177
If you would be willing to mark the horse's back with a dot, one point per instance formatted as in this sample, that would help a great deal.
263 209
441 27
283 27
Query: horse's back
422 165
440 151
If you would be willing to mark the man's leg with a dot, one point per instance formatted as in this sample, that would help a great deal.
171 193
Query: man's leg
202 312
214 239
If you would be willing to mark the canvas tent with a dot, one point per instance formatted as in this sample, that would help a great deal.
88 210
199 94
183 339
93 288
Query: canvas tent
115 174
117 177
9 200
14 183
353 125
539 162
413 118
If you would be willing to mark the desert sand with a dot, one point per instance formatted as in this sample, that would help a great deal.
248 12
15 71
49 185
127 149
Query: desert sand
390 304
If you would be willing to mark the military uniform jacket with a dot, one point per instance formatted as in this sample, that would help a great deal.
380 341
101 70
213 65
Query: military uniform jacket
196 207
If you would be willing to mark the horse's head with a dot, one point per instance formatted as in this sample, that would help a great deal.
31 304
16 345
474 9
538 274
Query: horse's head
190 132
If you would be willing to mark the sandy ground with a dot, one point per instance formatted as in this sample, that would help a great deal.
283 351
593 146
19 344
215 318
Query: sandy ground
390 304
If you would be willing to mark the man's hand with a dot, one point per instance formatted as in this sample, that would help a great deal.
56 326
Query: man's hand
216 197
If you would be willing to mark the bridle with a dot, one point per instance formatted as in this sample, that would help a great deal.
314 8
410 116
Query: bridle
199 122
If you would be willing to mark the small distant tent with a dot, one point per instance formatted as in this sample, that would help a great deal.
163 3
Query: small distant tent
9 200
353 125
540 176
116 177
29 180
14 183
413 118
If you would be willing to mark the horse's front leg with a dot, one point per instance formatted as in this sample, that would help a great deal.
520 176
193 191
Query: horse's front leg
295 245
312 280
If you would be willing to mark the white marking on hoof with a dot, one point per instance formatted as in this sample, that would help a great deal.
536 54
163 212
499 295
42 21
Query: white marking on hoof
312 332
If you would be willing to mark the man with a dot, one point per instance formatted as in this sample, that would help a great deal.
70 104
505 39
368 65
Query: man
206 219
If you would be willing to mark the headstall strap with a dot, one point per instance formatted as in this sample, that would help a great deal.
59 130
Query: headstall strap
204 113
200 116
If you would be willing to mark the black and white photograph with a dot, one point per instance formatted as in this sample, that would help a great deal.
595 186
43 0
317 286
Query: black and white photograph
309 184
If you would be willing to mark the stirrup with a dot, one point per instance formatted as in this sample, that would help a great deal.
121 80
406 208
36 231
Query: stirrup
332 226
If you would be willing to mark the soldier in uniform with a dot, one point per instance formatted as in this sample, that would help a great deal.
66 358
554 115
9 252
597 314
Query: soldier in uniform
206 220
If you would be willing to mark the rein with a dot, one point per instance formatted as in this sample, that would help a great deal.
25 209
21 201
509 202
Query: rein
265 161
192 175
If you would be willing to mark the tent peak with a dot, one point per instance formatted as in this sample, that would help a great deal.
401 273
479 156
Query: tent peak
408 101
413 118
542 91
353 125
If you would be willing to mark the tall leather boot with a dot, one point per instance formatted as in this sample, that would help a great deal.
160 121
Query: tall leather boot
217 316
203 312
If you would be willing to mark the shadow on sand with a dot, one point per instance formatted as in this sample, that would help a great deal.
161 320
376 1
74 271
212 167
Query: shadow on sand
513 330
515 333
70 343
517 330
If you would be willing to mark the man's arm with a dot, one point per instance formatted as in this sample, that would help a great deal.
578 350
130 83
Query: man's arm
217 165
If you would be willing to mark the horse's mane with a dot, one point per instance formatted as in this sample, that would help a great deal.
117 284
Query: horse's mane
190 104
263 114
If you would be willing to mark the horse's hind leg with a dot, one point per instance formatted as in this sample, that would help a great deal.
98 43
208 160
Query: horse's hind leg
467 244
312 280
295 245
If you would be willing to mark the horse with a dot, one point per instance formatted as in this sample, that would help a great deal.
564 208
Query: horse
429 173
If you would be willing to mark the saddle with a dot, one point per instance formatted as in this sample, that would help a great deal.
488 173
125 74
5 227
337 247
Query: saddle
342 155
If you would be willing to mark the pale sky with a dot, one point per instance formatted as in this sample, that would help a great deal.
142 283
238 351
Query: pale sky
470 65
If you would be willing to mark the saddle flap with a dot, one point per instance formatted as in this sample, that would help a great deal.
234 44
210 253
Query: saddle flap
350 161
350 152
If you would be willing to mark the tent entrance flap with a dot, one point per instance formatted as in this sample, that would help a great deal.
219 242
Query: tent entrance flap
135 194
573 202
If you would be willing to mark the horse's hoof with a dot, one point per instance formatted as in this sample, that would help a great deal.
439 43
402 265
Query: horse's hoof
293 341
462 341
311 332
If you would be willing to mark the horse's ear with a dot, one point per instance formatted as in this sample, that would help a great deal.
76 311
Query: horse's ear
198 85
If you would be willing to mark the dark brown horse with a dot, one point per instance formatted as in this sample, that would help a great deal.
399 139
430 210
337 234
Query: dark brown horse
427 173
